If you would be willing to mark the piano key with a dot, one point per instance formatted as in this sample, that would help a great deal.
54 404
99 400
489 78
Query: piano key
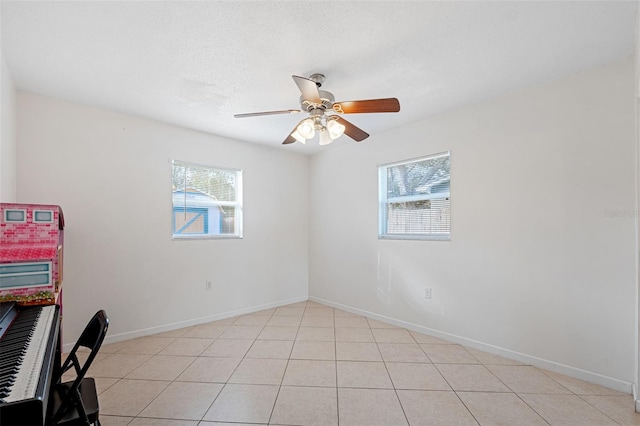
26 373
26 381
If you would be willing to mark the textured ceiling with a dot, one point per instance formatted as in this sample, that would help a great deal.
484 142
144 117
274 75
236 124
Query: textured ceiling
195 64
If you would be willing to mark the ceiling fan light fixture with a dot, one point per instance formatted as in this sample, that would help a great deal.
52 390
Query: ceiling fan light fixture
306 128
325 137
335 129
320 105
298 137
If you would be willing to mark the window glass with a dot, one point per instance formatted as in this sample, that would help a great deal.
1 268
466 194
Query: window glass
415 198
207 201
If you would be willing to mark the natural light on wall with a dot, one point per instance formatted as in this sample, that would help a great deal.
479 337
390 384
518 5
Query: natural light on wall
207 201
415 198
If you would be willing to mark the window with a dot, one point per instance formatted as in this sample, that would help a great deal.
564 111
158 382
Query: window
15 215
42 216
415 198
207 201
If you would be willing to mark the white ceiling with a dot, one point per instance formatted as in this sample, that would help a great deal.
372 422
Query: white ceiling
195 64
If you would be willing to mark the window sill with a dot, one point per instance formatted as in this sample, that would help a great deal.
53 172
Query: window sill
415 237
206 237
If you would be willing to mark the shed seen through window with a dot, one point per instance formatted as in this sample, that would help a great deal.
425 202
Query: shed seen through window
207 201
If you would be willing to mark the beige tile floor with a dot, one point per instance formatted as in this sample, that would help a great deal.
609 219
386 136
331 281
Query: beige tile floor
309 364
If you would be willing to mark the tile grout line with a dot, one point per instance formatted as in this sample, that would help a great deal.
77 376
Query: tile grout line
286 366
124 378
576 394
173 381
596 408
224 385
456 392
517 394
391 380
532 409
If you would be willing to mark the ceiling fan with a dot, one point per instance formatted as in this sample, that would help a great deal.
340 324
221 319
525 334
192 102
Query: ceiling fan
323 110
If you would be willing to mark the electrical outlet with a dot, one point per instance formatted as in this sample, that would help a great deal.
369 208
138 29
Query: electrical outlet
427 293
207 285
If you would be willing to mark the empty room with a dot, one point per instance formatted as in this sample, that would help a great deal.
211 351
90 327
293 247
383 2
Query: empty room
320 212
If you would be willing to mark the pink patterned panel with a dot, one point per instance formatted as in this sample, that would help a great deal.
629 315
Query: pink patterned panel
26 252
30 232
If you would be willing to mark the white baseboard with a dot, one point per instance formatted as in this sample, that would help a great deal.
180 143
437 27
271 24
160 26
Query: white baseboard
113 338
567 370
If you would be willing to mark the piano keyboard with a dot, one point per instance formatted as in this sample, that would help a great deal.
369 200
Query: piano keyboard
23 350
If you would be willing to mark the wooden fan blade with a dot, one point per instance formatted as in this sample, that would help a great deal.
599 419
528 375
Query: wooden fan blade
289 139
257 114
354 132
369 105
308 89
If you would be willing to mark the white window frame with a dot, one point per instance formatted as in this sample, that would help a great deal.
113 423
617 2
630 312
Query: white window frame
9 211
38 212
27 270
237 204
384 201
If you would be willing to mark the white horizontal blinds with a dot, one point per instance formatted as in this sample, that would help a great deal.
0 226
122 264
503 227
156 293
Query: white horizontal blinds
206 200
430 218
418 197
217 183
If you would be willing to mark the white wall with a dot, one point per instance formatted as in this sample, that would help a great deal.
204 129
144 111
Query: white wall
536 269
7 134
111 174
637 104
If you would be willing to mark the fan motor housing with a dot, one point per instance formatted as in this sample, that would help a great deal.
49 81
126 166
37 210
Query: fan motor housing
327 99
317 78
